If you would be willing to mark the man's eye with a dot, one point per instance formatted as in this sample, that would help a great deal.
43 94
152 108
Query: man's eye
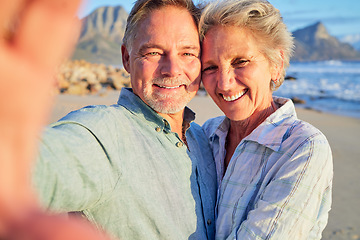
152 54
189 54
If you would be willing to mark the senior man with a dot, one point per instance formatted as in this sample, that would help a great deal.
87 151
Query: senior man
140 169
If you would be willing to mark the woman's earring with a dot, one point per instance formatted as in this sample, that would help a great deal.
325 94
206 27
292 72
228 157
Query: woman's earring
273 84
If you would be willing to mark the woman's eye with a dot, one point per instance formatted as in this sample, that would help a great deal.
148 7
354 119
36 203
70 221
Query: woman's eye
240 62
209 69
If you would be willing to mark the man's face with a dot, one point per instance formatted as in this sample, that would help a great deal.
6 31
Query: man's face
164 62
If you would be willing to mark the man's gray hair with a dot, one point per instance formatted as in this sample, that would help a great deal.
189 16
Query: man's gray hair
142 8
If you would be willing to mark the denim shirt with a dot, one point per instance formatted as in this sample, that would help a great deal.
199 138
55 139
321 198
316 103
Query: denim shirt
278 182
128 173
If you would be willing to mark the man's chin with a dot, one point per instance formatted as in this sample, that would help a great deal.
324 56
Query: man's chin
169 106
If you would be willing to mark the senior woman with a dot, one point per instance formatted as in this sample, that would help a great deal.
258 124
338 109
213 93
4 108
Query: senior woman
274 170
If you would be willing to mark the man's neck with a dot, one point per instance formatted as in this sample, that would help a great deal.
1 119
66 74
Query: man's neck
176 122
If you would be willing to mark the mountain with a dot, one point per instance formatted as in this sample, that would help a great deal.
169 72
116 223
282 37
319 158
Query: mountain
314 43
354 40
103 30
101 36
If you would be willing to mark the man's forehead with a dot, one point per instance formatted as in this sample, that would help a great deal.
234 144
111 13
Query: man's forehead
164 16
167 27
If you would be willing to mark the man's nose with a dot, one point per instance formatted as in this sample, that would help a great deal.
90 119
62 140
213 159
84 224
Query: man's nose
171 66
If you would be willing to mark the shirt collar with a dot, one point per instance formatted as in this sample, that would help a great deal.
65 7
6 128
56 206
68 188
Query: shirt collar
221 131
135 105
270 133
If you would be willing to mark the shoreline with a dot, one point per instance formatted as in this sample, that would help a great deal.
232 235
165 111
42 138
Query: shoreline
341 131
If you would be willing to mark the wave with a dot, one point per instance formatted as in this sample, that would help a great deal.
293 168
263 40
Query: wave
326 67
327 85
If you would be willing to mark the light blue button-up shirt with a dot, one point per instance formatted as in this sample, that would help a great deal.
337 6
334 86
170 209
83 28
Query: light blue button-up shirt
278 182
127 172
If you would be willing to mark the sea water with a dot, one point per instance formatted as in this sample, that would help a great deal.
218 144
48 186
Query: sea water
328 86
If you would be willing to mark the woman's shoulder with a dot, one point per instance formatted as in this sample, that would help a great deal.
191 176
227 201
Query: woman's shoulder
295 129
305 130
302 135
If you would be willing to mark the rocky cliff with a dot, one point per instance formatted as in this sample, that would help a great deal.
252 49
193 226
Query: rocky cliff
103 29
314 43
101 36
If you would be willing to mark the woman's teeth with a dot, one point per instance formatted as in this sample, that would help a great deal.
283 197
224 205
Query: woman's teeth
234 97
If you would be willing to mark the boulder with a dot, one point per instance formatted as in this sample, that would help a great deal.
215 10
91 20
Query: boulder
297 100
80 77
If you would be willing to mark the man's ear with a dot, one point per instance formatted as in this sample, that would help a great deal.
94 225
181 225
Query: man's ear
125 58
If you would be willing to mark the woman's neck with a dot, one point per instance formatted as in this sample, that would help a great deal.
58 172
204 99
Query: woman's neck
240 129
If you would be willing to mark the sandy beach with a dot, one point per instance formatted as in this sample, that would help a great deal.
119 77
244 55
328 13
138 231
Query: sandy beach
342 132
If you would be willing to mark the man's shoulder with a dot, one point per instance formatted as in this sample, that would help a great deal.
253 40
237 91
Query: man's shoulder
94 112
95 116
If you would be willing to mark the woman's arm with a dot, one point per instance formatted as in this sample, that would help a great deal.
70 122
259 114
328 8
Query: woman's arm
295 203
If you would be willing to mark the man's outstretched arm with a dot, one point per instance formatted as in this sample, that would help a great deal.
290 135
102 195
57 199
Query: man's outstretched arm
35 37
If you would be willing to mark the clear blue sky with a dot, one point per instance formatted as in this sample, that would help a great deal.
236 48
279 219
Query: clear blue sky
341 17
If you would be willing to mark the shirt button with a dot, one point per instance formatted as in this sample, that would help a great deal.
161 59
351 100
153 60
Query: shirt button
158 129
209 222
179 144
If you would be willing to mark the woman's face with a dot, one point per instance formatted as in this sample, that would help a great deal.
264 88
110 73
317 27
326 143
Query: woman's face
235 73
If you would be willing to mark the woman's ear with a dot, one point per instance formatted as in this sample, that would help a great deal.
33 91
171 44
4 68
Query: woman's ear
125 58
277 69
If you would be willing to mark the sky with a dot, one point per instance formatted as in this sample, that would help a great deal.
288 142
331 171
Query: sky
340 17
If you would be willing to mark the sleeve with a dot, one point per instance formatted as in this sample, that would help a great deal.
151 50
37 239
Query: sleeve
73 171
295 202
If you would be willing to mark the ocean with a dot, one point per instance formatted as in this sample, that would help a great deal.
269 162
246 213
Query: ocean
327 86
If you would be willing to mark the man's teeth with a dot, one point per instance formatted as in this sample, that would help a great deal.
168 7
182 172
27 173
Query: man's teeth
234 97
167 87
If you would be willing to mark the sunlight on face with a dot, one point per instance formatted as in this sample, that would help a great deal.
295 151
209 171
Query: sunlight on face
235 73
164 60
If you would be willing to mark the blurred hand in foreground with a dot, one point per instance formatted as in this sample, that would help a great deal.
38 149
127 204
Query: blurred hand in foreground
35 37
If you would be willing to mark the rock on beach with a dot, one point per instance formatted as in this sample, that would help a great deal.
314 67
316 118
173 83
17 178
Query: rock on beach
80 77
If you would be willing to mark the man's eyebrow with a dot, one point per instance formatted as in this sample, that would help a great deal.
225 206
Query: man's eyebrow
147 46
191 47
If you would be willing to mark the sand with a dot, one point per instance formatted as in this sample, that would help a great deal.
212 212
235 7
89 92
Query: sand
342 132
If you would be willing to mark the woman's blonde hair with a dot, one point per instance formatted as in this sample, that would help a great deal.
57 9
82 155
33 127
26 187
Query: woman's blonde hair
262 19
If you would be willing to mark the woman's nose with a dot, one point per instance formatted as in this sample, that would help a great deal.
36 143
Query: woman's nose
225 80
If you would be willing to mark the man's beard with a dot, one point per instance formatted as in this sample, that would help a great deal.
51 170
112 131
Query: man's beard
168 103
